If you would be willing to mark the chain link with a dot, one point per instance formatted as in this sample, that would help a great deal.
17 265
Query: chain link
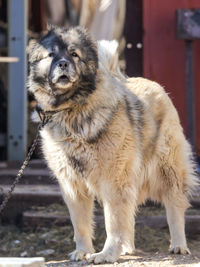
24 165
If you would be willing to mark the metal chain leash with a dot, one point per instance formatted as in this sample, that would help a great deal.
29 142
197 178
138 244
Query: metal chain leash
24 165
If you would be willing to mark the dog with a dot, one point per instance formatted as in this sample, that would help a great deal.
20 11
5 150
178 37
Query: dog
109 137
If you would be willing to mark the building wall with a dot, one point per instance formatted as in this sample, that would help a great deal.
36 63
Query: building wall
164 54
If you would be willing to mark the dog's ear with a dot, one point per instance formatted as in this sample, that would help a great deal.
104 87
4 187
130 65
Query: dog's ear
36 51
108 55
31 45
50 26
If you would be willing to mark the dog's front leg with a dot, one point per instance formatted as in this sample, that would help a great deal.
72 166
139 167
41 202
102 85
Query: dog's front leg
81 212
119 221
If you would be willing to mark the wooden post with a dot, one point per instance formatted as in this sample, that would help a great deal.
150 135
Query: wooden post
188 29
190 92
17 72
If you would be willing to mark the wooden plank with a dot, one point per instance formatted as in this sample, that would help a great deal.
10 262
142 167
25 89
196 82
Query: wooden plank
25 196
9 59
26 192
190 92
34 163
36 218
41 218
30 176
192 223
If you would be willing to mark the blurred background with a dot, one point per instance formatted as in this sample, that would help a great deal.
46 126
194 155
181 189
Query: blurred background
158 40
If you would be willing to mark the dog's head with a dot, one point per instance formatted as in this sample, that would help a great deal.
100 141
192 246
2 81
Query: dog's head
63 65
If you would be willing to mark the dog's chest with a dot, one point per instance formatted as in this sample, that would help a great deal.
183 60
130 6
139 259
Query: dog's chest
68 153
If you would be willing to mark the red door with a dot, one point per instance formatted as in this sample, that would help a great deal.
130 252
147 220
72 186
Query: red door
164 54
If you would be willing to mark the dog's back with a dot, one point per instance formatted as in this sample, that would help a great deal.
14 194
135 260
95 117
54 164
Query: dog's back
173 152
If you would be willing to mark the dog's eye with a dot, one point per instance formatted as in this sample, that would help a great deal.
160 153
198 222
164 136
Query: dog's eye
74 54
51 54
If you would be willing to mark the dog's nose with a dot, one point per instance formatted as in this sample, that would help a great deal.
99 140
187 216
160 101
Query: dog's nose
63 64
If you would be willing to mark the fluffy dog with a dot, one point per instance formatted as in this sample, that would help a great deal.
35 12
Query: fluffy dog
116 139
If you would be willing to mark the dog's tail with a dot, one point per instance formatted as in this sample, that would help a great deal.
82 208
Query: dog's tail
108 56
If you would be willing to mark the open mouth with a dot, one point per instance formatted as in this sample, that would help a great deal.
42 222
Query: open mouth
63 79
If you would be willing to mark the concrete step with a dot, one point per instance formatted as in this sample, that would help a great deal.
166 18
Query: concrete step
21 262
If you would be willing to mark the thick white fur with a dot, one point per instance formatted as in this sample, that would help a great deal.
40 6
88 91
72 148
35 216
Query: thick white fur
130 162
108 56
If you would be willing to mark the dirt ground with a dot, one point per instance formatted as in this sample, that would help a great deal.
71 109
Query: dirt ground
55 242
139 260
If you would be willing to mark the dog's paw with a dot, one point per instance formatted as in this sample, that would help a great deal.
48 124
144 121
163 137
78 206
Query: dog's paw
179 250
77 255
127 250
101 257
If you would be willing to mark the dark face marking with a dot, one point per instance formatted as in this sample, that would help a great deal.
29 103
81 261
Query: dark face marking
77 164
40 80
64 62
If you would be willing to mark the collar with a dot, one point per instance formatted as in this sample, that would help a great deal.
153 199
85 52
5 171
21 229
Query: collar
46 115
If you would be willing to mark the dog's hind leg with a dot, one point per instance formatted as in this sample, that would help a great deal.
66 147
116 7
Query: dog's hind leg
81 211
178 180
175 208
